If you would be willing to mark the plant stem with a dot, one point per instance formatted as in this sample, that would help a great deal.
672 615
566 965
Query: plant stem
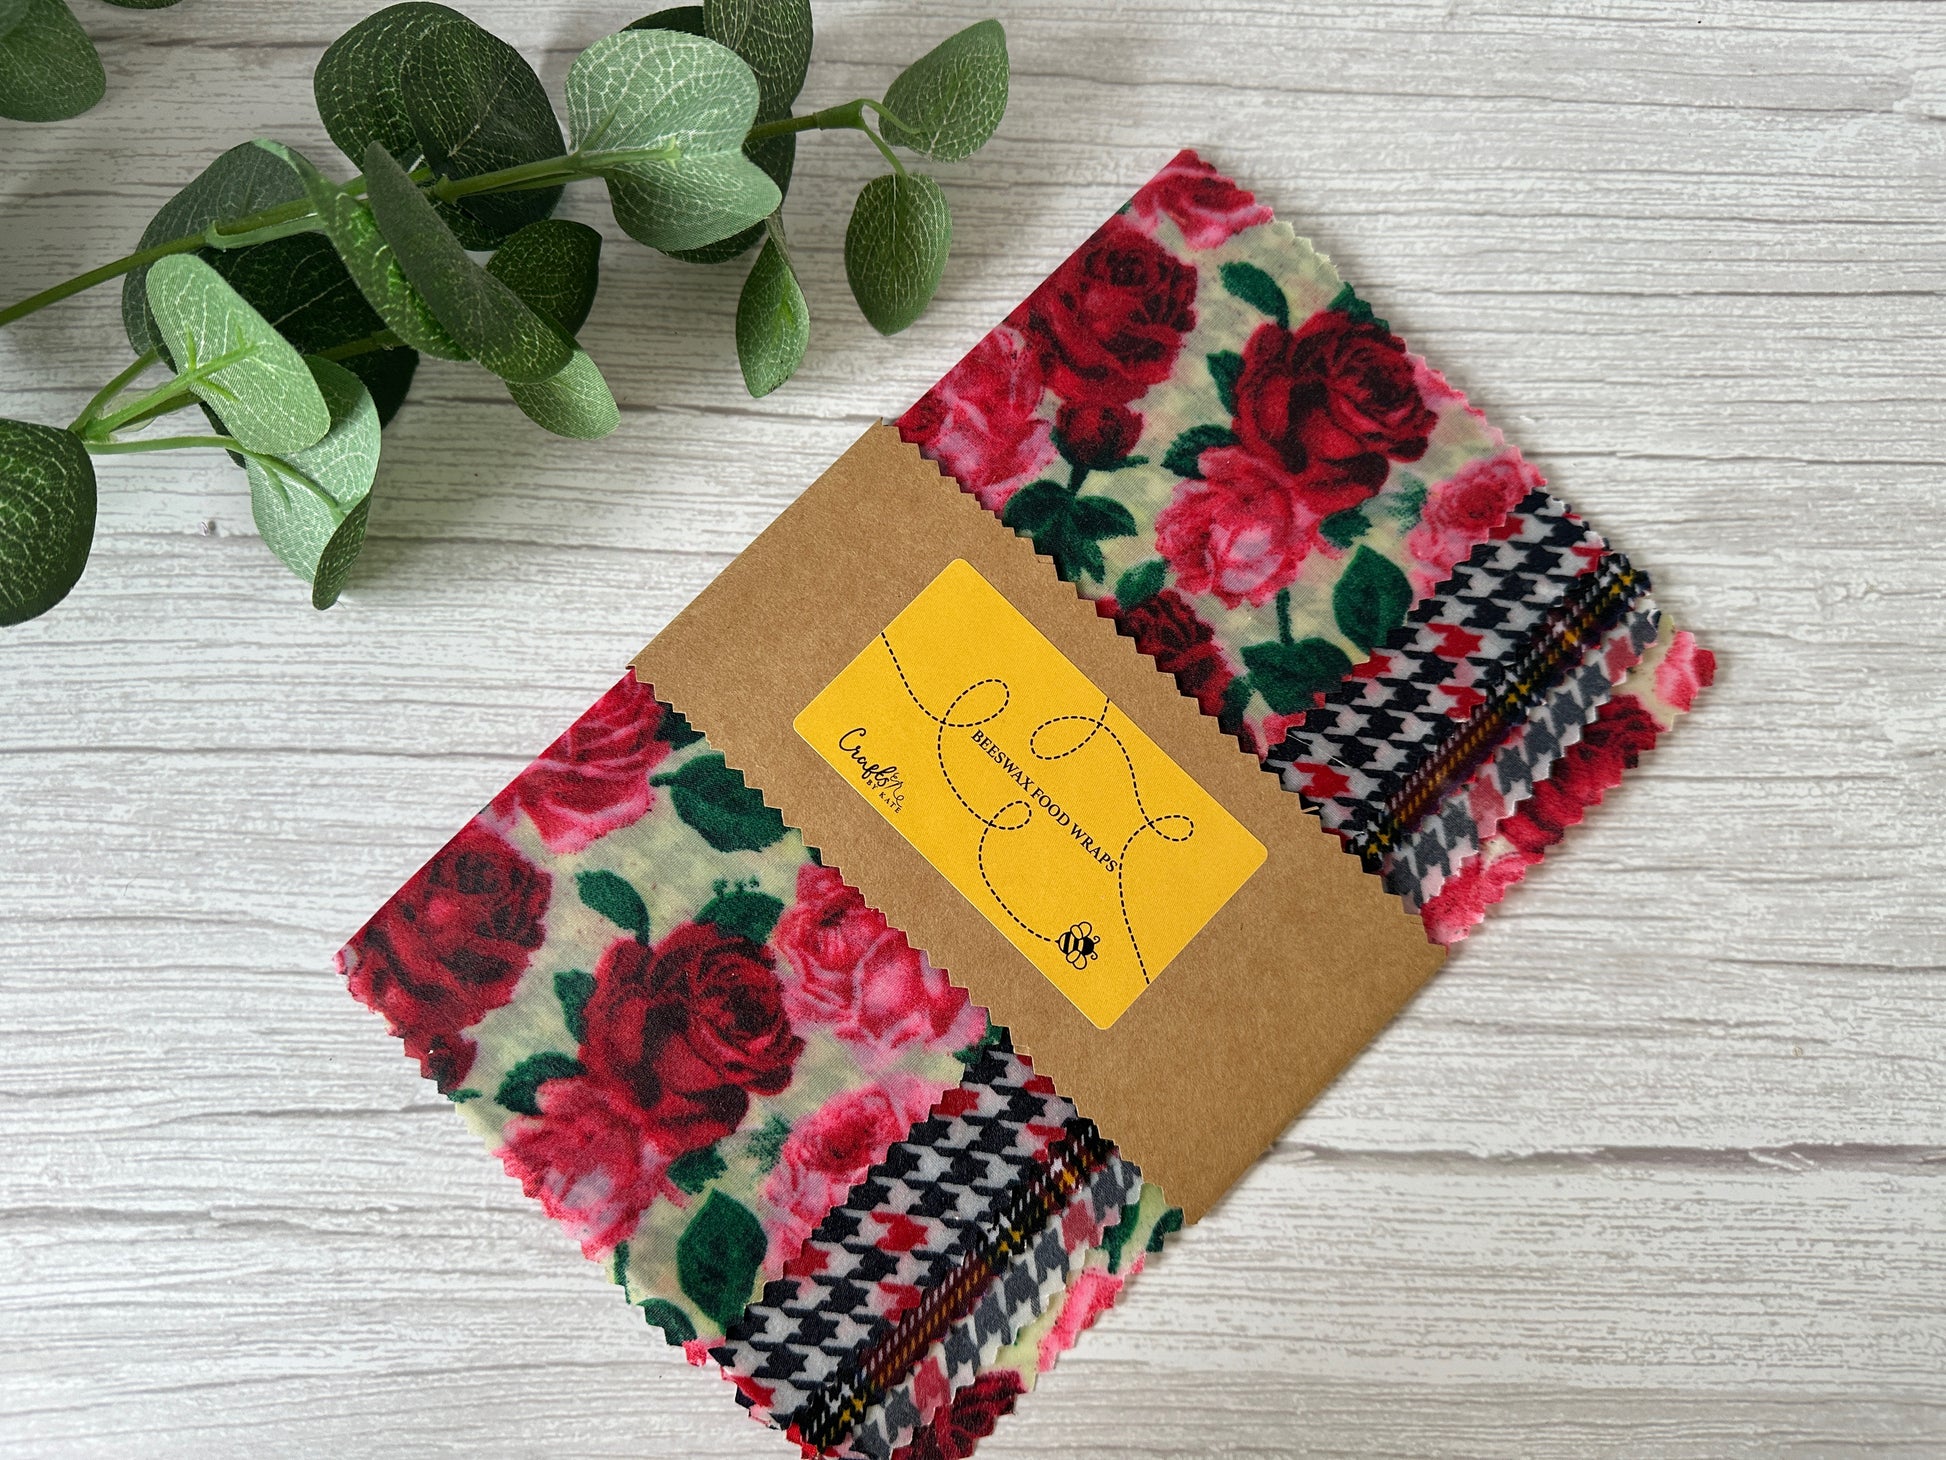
1283 615
144 407
114 388
221 443
159 443
383 340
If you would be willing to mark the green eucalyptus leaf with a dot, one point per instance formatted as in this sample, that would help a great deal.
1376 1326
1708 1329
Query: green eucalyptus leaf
483 315
47 517
773 322
368 258
662 116
303 500
949 100
774 39
48 67
229 357
575 403
476 106
247 179
145 4
464 104
555 266
687 19
895 248
299 283
12 12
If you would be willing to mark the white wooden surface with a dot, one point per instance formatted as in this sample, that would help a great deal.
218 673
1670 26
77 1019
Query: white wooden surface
1657 1167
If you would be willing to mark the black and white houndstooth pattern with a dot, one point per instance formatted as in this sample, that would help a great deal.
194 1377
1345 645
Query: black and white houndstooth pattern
1453 830
900 1231
1457 644
1014 1298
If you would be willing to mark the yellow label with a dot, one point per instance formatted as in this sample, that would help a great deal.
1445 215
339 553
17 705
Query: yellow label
1052 813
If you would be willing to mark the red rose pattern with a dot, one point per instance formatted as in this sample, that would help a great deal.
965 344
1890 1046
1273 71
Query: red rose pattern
1465 510
1241 535
1332 404
1621 732
690 1028
1098 437
594 779
1167 629
828 1154
957 1430
1110 321
1199 200
587 1161
982 423
449 948
1684 670
859 976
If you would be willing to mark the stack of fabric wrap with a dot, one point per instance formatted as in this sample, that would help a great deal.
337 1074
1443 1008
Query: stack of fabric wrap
793 1141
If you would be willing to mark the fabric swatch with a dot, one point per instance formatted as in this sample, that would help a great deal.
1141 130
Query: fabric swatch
685 1038
992 1302
925 1208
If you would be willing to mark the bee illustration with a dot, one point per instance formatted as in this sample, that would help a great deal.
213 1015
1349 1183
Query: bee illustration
1079 945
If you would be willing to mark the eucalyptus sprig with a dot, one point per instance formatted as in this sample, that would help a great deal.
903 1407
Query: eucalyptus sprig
49 69
292 307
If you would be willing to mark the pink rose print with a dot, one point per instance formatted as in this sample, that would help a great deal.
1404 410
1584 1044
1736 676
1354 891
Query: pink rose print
1686 668
595 778
982 423
1092 1293
860 976
1199 200
830 1152
1242 535
1464 511
587 1161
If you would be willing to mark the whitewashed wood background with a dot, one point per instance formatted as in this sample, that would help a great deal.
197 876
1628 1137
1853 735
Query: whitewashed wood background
1657 1167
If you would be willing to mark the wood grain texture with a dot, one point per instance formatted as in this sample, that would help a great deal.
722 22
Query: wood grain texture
1657 1166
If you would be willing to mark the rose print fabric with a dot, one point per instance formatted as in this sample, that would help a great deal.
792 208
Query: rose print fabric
685 1038
1646 704
1454 830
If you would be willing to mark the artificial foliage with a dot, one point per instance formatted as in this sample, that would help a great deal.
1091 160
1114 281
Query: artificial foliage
292 306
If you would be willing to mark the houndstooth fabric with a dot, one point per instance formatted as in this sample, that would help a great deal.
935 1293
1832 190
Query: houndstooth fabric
1454 648
1010 1300
903 1228
1468 813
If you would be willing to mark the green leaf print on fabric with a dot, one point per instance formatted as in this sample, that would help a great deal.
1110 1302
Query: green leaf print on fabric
1342 529
1257 289
1346 301
614 899
675 731
1184 455
676 1328
1371 599
691 1173
1287 675
1068 527
1224 368
767 1145
1169 1221
717 1258
572 987
1408 504
520 1091
1141 583
716 803
742 910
